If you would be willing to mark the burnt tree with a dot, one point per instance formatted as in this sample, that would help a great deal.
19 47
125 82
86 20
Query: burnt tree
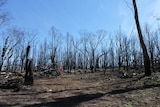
143 46
28 79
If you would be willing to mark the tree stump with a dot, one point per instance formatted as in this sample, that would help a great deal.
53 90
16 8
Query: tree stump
28 80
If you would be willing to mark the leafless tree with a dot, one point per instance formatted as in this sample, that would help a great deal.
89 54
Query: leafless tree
76 44
111 52
134 52
127 53
68 52
56 39
43 55
95 40
157 46
120 48
4 16
151 45
84 50
12 38
4 52
143 46
104 52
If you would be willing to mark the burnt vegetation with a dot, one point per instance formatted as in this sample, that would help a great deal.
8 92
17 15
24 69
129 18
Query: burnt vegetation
122 61
93 51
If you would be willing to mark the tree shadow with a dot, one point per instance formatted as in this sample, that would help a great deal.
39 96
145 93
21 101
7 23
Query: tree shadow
69 101
25 93
128 80
6 105
125 90
73 101
76 100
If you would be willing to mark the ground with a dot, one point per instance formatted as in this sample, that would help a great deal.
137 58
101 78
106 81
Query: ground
86 90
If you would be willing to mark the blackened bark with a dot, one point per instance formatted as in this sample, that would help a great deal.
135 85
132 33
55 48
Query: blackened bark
152 61
143 46
29 73
1 64
28 79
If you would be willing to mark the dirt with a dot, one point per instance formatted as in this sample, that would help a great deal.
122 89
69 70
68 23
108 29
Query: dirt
86 90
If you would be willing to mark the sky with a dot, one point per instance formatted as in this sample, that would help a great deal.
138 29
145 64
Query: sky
75 15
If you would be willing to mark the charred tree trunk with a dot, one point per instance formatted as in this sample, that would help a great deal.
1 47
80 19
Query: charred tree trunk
152 60
3 53
29 73
119 62
1 64
143 46
28 79
105 63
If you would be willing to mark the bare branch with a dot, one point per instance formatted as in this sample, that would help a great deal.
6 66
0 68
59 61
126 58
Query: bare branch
129 5
4 17
157 18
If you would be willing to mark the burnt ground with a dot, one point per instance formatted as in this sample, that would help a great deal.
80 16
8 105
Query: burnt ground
86 90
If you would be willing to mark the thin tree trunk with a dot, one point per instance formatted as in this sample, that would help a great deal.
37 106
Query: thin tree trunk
143 46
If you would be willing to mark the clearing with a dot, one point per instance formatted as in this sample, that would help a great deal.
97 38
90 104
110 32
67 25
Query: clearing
86 90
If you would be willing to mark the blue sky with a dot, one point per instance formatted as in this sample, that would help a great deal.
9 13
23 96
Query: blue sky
75 15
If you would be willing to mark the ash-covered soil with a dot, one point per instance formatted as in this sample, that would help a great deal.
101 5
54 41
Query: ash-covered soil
86 90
